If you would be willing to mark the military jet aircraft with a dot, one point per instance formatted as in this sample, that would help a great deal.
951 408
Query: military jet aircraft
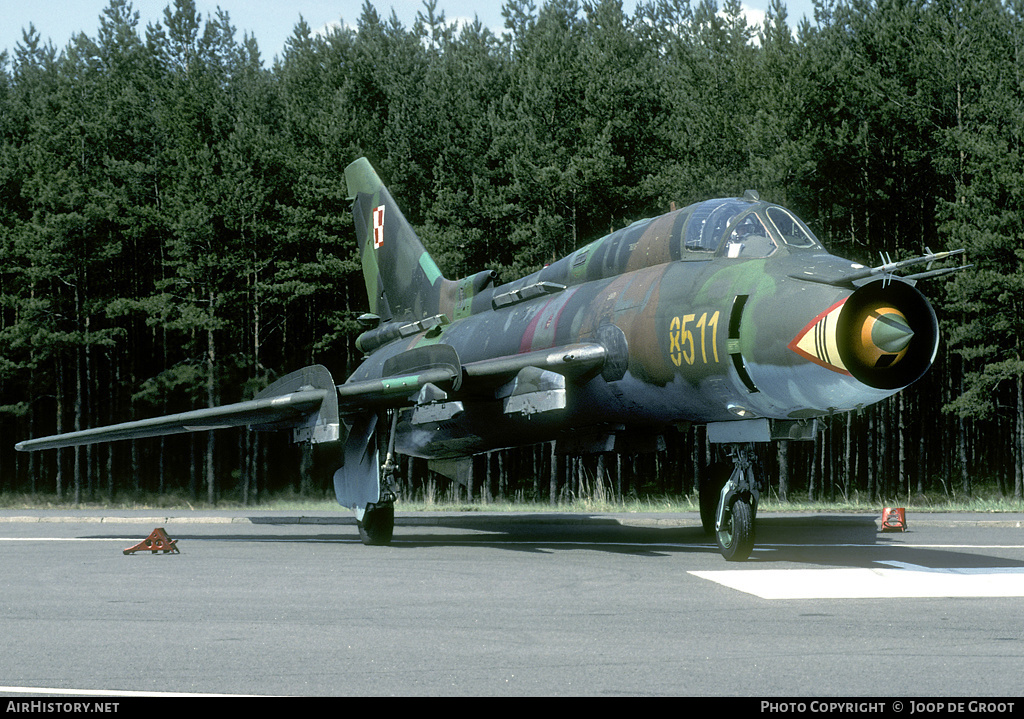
727 313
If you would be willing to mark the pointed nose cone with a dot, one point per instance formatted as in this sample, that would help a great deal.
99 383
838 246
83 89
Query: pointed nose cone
883 337
891 332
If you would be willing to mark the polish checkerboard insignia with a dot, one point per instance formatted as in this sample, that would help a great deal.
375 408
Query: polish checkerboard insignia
378 227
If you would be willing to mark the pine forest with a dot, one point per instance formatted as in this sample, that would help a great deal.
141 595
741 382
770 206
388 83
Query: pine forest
175 233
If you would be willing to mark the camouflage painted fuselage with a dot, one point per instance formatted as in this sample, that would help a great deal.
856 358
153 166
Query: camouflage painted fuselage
724 310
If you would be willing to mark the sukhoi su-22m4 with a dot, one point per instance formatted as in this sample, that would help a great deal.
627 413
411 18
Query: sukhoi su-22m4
727 313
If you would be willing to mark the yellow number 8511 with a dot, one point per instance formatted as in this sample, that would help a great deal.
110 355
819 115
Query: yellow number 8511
681 343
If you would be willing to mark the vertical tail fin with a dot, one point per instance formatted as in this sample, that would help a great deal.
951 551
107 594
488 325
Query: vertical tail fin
402 281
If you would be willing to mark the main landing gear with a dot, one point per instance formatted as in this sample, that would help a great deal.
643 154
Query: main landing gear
728 503
377 524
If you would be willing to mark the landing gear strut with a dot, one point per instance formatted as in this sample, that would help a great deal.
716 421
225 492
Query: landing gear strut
737 496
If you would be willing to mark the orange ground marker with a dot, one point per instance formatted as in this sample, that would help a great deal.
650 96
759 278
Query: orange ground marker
894 519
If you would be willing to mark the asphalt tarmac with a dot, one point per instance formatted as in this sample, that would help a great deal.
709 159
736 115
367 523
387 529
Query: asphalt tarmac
477 604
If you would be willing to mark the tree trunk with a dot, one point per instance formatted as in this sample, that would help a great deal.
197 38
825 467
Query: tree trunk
58 368
211 401
1018 473
783 456
961 451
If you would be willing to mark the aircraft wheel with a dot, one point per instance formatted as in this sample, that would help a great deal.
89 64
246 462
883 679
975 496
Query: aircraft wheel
736 538
709 493
378 525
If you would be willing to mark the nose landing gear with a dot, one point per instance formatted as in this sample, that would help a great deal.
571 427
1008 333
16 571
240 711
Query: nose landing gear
731 518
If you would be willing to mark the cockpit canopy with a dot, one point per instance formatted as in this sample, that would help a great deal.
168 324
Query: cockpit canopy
741 228
738 228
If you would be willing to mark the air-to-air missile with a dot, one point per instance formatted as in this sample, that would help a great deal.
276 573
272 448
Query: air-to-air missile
727 313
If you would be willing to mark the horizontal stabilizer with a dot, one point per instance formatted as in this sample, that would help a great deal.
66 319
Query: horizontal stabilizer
306 409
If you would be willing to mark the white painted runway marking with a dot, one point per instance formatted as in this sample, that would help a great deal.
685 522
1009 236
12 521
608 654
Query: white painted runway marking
896 580
65 539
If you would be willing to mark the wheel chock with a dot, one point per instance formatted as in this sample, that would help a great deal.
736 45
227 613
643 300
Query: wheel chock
157 541
894 519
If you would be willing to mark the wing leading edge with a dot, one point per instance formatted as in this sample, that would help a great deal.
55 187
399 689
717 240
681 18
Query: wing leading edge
304 401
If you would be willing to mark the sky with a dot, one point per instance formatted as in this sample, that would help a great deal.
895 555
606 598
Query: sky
271 22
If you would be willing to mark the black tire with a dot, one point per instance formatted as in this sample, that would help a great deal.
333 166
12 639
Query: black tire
736 539
709 492
378 525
